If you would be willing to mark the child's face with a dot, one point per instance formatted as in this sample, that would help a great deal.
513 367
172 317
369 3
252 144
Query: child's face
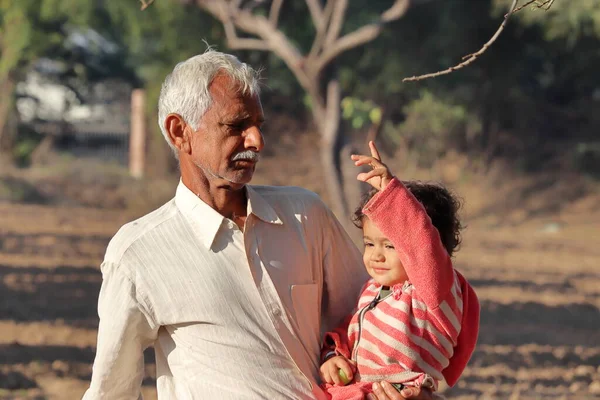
380 257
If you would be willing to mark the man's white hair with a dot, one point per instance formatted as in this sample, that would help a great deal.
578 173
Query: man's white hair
185 89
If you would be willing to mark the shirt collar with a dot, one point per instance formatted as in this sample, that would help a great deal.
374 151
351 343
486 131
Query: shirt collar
207 221
260 207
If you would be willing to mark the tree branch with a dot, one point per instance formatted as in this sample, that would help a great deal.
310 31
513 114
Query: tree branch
321 30
145 4
267 37
360 36
544 4
233 40
337 20
316 12
274 12
470 58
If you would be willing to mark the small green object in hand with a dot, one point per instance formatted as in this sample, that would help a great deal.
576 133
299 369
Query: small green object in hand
343 377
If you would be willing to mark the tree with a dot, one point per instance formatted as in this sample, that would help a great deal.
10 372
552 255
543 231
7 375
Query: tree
144 46
255 25
314 68
30 29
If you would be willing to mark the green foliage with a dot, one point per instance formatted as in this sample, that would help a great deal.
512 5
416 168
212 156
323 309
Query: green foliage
23 150
360 112
15 34
432 126
537 85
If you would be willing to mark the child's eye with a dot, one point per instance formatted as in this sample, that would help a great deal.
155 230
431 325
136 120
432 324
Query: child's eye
367 244
390 247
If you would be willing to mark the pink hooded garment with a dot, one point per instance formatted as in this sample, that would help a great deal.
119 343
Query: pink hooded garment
426 329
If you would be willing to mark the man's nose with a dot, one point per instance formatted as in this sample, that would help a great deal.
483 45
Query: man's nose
254 139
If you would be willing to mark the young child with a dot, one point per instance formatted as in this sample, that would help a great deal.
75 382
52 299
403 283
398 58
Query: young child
417 318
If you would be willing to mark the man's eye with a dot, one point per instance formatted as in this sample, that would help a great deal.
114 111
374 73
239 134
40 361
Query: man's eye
235 126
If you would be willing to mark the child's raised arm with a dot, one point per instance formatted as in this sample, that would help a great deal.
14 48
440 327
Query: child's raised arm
404 221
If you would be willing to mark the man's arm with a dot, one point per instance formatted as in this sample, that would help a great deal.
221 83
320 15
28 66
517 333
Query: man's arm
125 331
344 273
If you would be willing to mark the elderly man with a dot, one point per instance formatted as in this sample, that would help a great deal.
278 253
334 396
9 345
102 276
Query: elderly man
232 284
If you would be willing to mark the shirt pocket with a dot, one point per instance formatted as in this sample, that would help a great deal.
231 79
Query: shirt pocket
307 309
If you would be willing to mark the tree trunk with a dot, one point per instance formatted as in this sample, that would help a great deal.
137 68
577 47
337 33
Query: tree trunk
7 87
335 157
330 158
327 115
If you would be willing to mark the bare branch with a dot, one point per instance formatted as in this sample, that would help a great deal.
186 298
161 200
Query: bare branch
316 12
266 37
321 30
546 5
538 4
360 36
233 40
274 13
337 20
543 4
520 7
349 41
145 4
397 10
472 57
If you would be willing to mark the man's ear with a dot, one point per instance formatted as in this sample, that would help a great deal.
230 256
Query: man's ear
178 132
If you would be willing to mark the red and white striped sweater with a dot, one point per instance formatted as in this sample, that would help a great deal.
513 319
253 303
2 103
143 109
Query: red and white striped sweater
427 326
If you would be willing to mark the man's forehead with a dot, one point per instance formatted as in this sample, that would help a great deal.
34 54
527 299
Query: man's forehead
223 86
231 102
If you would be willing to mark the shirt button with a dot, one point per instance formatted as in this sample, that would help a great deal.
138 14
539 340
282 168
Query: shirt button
277 312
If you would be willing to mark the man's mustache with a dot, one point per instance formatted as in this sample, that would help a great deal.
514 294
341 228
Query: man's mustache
246 155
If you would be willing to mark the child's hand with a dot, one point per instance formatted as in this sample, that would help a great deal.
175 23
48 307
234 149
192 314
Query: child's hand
380 176
329 370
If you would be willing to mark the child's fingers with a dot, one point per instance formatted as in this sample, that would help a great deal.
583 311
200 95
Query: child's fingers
325 371
365 176
374 151
360 159
327 377
335 377
352 365
366 160
347 370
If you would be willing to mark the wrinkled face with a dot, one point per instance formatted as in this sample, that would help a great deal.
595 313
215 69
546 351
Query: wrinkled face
229 138
380 256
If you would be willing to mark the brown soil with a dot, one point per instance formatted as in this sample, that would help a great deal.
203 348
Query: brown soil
535 270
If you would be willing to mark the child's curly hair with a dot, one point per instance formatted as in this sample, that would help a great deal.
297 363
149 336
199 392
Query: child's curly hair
439 203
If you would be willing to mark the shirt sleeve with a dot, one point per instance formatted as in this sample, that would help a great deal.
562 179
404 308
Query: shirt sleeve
343 272
126 330
336 342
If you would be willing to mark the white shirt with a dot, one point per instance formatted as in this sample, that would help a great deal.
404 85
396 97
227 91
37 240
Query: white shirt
231 314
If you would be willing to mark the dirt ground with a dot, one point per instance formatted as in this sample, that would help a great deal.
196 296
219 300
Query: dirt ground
537 276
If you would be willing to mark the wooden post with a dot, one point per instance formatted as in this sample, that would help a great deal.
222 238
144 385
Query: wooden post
137 136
